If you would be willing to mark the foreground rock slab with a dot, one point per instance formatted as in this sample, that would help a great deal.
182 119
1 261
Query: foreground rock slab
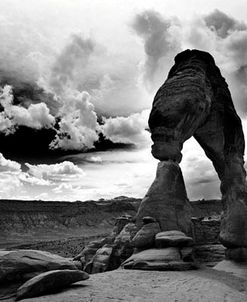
49 282
121 285
25 264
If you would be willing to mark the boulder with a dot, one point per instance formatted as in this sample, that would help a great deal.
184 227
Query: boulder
126 235
89 250
120 223
101 261
172 238
49 282
146 235
25 264
123 247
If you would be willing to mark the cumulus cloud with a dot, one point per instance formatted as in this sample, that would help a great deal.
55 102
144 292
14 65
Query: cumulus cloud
95 159
7 165
60 181
78 125
65 171
28 179
129 130
36 116
14 183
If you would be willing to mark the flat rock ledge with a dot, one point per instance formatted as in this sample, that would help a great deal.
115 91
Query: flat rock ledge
205 285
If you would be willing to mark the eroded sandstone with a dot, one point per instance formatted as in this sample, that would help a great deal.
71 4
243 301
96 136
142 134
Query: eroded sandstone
195 101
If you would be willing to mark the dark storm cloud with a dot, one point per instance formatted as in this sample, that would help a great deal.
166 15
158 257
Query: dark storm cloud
158 40
223 24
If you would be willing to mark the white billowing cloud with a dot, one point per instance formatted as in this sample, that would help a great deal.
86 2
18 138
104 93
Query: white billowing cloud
129 130
51 182
62 171
28 179
36 116
64 188
14 183
7 165
95 159
78 125
10 186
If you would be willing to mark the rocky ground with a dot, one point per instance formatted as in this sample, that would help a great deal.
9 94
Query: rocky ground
205 285
65 227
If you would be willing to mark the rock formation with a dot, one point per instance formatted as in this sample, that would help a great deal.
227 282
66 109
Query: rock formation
195 101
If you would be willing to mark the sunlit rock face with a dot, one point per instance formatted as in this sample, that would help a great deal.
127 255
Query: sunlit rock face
195 101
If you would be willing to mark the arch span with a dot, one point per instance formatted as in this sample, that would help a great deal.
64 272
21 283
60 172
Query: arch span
195 101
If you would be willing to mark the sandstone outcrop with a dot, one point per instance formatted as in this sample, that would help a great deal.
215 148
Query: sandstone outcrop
195 101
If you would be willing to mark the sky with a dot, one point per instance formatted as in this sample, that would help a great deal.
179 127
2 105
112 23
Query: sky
86 60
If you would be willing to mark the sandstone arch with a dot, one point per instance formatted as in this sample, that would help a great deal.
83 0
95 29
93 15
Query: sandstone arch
195 101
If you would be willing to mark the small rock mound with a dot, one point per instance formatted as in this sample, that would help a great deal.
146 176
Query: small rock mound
173 252
172 238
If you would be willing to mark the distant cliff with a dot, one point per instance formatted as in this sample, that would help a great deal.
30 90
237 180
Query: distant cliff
28 222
